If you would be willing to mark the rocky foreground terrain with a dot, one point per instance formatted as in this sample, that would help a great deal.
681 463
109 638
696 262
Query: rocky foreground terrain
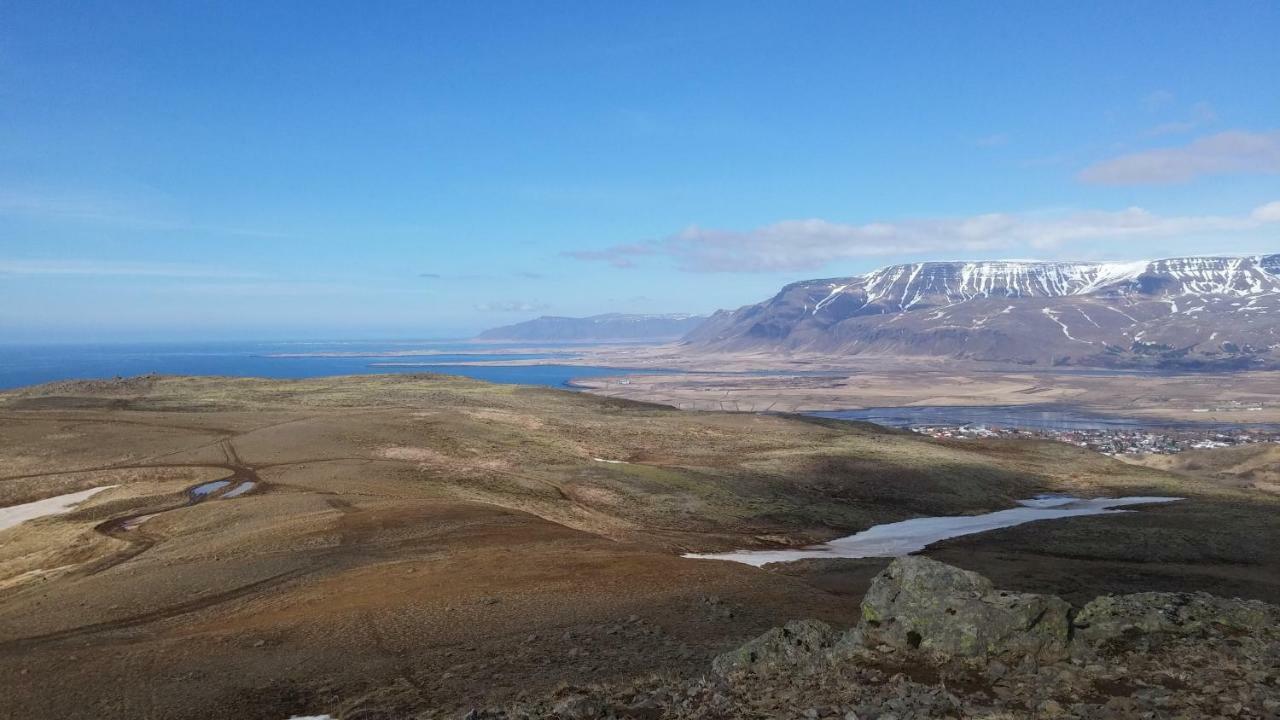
936 641
1192 313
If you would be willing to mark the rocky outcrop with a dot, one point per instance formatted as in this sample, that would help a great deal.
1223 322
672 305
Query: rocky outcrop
1144 619
919 604
927 605
797 641
936 641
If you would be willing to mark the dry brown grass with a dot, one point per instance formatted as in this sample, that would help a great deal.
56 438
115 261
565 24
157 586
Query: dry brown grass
410 527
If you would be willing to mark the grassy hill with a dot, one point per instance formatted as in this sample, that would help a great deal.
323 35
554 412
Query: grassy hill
431 542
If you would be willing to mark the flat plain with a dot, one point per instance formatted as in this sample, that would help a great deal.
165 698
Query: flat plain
749 383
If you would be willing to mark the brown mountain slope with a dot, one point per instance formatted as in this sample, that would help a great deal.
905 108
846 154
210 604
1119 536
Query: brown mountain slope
1250 466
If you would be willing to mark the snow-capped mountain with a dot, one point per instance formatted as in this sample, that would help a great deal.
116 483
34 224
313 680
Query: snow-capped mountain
611 326
1176 312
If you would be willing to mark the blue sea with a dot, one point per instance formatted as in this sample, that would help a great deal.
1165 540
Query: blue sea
22 365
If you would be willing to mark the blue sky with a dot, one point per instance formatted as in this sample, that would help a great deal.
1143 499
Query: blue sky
289 170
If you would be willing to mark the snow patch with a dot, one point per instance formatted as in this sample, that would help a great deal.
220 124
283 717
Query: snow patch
1052 315
57 505
908 536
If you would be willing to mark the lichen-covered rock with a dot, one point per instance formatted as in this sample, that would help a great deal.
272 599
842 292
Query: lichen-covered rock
921 603
796 642
1219 658
1146 618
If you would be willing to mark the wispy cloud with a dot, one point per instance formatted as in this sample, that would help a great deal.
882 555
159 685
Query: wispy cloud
483 277
286 289
794 245
508 306
1200 115
994 140
1234 152
1269 213
109 211
1158 99
107 268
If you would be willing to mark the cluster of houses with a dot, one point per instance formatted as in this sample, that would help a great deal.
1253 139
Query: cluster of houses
1115 441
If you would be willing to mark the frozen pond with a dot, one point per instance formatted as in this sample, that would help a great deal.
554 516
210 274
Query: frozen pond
200 492
18 514
908 536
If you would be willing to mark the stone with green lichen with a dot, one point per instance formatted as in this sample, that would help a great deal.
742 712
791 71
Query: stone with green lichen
796 642
1146 618
921 603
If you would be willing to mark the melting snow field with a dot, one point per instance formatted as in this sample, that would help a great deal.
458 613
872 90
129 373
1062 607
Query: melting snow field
908 536
18 514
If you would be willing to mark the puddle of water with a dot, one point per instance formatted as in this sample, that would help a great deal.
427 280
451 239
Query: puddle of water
239 490
200 492
18 514
908 536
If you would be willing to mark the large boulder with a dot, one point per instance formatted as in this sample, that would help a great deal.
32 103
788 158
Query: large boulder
1147 618
921 603
797 642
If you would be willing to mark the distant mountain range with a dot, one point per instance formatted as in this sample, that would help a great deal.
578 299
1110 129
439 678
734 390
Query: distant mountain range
611 326
1177 313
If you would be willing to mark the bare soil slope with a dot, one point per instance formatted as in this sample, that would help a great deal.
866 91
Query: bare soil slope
1246 466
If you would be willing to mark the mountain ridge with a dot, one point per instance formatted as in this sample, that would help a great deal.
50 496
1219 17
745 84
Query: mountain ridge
1194 312
607 326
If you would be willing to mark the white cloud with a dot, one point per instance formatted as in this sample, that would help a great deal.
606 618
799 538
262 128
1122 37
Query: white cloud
1269 213
795 245
1232 152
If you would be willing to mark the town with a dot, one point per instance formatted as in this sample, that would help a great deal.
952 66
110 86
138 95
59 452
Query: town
1115 441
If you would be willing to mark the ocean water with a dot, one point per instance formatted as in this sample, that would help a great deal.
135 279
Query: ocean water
22 365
